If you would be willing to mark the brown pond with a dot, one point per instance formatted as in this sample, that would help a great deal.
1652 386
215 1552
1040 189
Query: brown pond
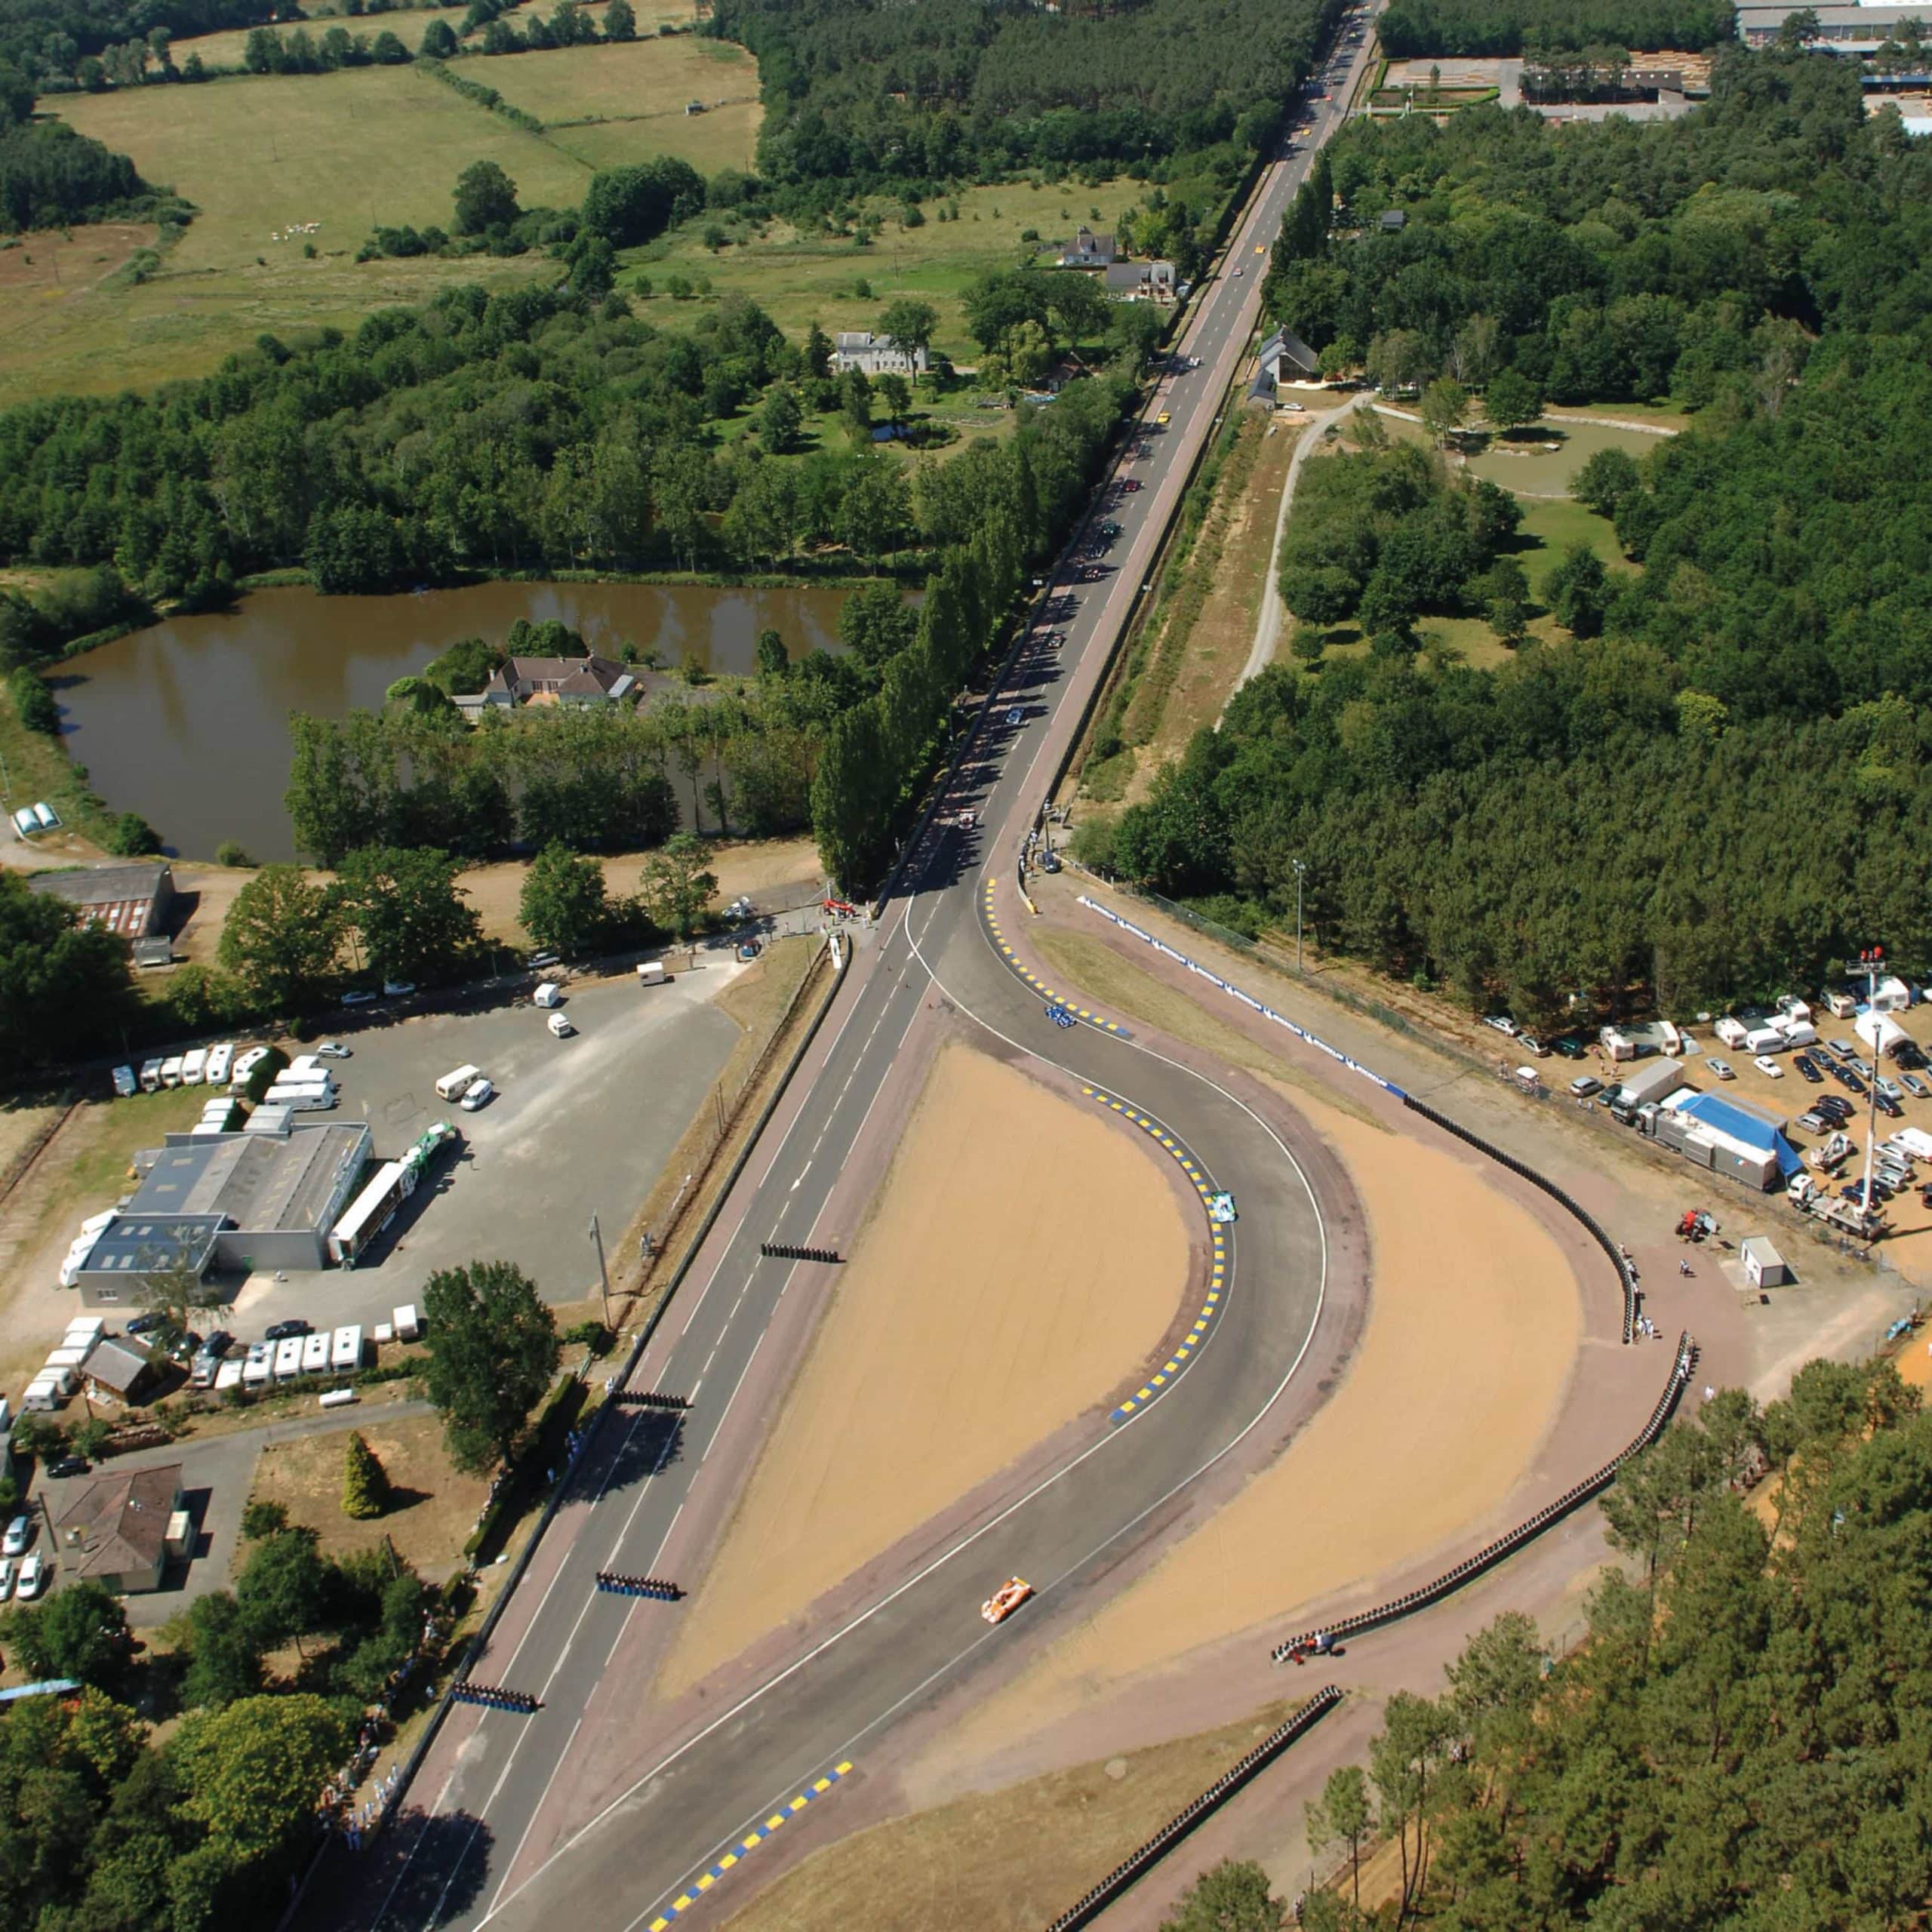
187 722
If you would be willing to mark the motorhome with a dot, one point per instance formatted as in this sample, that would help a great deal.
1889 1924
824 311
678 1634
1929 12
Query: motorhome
454 1086
193 1066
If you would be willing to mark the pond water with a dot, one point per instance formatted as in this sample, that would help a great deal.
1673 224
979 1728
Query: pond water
187 722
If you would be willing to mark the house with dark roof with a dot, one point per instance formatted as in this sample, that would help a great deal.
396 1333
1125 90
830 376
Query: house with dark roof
116 1531
1140 281
132 902
876 355
591 680
1087 250
1282 357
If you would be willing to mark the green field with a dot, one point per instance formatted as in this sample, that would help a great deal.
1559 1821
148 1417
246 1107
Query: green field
350 149
1546 464
798 279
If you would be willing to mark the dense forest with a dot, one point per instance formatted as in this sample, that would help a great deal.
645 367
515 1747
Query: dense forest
1711 789
1740 1740
1423 28
50 176
857 95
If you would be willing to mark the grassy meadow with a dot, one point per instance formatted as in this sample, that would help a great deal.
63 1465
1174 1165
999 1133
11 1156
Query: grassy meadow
800 278
349 149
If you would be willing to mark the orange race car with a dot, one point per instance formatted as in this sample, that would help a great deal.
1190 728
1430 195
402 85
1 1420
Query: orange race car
1006 1600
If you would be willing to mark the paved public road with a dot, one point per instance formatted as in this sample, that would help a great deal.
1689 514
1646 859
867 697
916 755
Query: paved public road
621 1868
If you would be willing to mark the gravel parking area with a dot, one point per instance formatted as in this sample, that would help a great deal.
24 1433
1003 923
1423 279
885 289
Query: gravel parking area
579 1126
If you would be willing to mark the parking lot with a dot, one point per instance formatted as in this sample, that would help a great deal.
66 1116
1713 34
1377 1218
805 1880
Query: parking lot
578 1127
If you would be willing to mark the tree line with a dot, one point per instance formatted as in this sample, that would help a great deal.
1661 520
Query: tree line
858 97
1709 790
1412 29
1736 1740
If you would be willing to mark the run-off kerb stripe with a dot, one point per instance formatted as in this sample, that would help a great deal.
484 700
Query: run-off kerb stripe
749 1842
1098 1021
1529 1174
1202 1183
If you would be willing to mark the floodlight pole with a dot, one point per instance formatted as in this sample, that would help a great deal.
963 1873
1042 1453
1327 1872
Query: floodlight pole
1301 872
603 1272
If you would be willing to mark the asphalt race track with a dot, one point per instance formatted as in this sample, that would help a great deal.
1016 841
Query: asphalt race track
712 1787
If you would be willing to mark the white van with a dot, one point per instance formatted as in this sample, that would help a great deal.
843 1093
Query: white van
650 972
220 1059
454 1086
170 1071
548 993
561 1027
193 1066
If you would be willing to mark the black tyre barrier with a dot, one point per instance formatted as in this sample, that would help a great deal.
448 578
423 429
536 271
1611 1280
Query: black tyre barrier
1624 1272
494 1697
649 1398
618 1584
1508 1544
785 1251
1177 1827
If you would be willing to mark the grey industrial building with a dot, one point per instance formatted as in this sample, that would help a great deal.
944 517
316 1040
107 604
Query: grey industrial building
1839 30
235 1201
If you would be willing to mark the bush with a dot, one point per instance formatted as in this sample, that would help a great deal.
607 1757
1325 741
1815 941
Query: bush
261 1520
33 703
230 854
130 836
365 1485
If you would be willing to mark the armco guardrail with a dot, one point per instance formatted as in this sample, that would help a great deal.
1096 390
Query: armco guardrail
1624 1274
1177 1828
1549 1187
1491 1554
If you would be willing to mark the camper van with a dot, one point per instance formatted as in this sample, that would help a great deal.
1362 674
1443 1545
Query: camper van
548 993
151 1076
346 1349
454 1086
288 1358
220 1059
317 1098
170 1071
650 972
193 1066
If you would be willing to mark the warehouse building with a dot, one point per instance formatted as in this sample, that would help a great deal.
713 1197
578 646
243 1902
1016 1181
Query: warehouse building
1841 29
234 1201
132 902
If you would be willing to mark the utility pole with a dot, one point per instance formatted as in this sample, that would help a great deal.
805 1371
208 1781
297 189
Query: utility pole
1301 872
603 1272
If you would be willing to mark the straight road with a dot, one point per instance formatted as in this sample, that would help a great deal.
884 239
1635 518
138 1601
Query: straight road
485 1800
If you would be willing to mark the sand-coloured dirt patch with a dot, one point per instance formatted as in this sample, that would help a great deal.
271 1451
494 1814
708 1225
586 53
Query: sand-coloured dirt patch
1474 1322
1024 1259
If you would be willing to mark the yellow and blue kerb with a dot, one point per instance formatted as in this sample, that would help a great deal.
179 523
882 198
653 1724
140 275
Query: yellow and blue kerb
749 1842
1099 1021
1199 1179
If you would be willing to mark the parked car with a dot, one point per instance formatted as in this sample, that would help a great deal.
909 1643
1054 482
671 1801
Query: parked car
32 1578
362 996
9 1570
1531 1045
398 988
480 1094
334 1050
1501 1022
1812 1076
1852 1080
1913 1085
1585 1084
1890 1089
1813 1123
280 1331
1889 1108
1568 1046
1767 1066
68 1465
1832 1108
1721 1069
20 1534
1860 1066
147 1322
